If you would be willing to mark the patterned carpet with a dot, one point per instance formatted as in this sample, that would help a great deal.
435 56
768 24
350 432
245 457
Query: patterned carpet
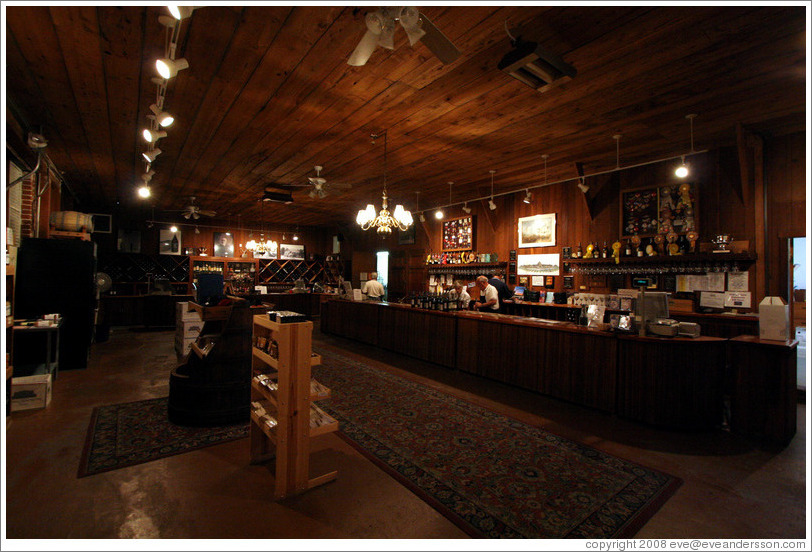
132 433
493 476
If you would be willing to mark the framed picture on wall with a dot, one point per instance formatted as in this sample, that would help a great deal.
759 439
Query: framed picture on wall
406 237
223 244
169 243
677 208
292 252
537 231
544 264
638 212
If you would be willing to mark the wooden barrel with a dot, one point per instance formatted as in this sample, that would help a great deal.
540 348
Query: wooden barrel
72 221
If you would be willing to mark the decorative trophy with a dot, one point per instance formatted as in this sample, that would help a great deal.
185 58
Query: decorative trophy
721 242
692 236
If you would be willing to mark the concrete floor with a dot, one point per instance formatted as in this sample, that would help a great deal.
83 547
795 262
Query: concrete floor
731 489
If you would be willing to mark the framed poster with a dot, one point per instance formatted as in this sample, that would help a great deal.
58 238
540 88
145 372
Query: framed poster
638 212
270 253
405 237
537 231
223 244
169 243
291 252
458 234
544 264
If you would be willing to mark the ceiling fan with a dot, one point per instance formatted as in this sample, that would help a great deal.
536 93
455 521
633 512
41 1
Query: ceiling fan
320 185
418 27
193 211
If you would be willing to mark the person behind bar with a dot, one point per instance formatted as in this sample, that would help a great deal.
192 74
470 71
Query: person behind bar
463 299
502 290
372 288
488 296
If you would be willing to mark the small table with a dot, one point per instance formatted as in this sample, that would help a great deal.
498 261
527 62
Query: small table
52 343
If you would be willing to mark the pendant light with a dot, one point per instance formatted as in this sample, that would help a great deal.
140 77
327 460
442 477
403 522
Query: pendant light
491 204
682 171
400 219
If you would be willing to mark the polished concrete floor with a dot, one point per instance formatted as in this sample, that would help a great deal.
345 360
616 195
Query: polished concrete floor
731 489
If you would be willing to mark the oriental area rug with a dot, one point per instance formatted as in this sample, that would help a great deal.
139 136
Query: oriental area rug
493 476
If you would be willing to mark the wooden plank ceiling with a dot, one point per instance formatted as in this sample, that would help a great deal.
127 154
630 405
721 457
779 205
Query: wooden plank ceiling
269 95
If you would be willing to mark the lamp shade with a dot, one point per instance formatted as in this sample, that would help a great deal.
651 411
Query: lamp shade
151 155
153 135
162 117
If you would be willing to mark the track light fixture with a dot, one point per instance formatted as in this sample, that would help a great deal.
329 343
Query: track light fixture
528 196
168 68
582 185
162 117
153 135
180 12
151 154
144 191
197 230
439 214
466 208
147 176
682 171
173 228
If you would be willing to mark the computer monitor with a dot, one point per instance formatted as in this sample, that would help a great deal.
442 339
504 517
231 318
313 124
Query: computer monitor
518 291
654 304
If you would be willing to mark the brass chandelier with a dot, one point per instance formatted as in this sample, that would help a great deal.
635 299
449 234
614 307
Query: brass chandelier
384 221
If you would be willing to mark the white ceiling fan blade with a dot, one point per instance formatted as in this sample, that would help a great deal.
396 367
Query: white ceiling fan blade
438 43
364 49
195 215
340 185
186 215
312 194
316 181
387 37
208 213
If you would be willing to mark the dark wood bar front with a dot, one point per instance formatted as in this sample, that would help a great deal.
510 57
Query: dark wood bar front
667 382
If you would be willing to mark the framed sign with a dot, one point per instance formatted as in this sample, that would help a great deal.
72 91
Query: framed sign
169 242
291 252
458 234
545 264
405 237
537 231
677 208
660 210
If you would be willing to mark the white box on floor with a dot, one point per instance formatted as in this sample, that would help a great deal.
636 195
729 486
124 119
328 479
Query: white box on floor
182 312
183 346
187 329
30 392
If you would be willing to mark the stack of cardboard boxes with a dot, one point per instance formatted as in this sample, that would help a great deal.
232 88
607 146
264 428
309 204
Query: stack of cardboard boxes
188 327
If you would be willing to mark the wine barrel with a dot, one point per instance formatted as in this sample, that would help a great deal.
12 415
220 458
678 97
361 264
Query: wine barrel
72 221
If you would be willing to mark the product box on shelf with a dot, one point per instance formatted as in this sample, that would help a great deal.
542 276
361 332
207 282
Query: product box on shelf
189 329
30 392
183 346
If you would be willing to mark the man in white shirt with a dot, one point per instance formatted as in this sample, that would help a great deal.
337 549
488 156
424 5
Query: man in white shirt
372 288
488 296
463 299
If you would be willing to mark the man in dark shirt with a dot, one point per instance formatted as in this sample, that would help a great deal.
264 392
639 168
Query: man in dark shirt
502 290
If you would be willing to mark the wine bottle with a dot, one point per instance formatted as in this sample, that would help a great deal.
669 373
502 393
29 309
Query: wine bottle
175 245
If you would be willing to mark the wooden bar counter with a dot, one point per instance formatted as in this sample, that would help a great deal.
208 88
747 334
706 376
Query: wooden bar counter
669 382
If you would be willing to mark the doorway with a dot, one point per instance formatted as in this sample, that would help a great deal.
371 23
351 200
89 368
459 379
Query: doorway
382 268
797 294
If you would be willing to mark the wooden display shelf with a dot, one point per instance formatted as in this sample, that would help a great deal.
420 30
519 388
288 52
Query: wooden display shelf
315 360
260 421
318 392
321 422
266 358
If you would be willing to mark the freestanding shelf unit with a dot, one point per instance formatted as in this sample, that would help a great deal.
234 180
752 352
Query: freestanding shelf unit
283 416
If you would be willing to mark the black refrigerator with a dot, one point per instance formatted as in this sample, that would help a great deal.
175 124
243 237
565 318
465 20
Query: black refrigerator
58 276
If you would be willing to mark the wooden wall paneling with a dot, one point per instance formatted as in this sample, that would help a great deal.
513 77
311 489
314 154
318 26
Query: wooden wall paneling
526 358
489 350
442 340
419 338
467 345
594 373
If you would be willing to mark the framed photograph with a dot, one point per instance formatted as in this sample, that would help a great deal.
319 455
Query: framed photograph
271 253
568 282
406 237
549 282
524 280
223 244
169 243
537 231
638 212
543 264
292 252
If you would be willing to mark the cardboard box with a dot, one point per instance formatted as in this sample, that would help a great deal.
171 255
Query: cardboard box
183 346
188 328
183 313
30 392
773 319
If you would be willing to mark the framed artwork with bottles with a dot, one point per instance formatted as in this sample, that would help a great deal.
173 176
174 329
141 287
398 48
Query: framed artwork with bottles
458 234
169 242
